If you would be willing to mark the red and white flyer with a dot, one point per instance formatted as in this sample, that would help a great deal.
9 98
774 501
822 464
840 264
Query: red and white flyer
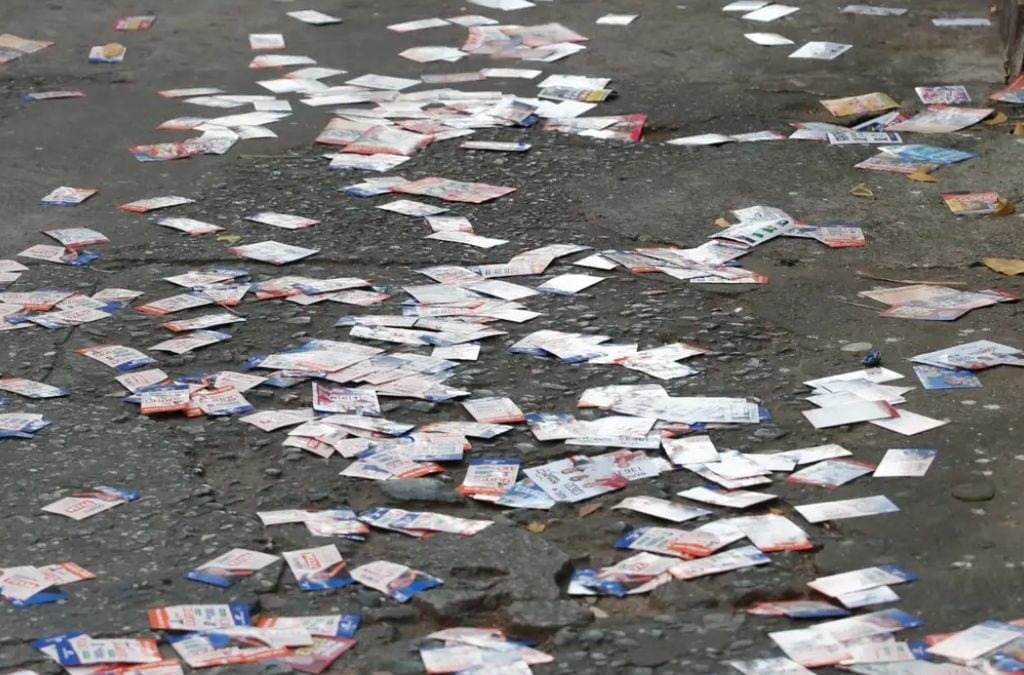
333 399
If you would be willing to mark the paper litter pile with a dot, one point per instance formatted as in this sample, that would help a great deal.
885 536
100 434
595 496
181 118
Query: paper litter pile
343 396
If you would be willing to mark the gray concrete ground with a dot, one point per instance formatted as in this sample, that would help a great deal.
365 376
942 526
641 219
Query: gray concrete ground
690 69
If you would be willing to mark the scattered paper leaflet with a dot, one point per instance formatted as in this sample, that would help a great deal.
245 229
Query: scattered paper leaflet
487 371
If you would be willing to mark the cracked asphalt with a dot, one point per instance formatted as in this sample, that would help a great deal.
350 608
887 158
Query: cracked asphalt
691 71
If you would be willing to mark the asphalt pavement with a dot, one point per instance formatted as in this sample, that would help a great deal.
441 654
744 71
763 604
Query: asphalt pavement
690 70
